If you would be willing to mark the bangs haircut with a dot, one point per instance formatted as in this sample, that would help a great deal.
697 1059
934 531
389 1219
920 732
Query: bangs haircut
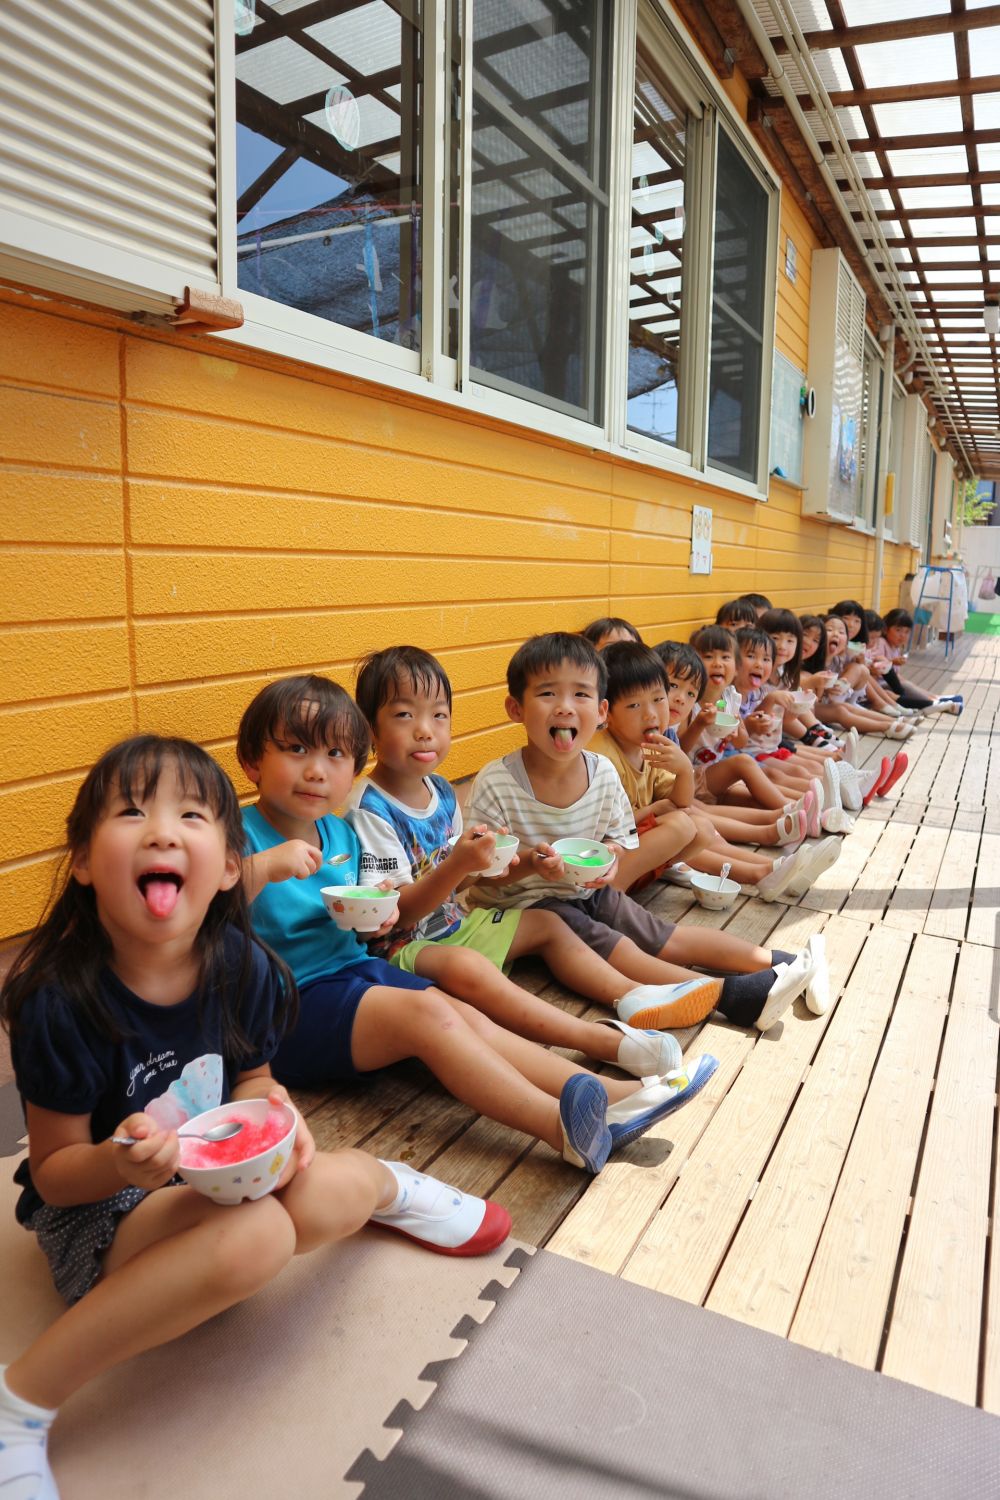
384 675
755 638
631 668
683 664
874 621
132 770
899 617
736 612
598 629
817 661
714 638
546 653
759 601
784 622
314 710
71 948
852 607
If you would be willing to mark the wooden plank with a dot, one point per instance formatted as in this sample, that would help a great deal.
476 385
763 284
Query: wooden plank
949 908
684 1245
938 1310
914 890
771 1253
984 914
843 1305
834 886
877 880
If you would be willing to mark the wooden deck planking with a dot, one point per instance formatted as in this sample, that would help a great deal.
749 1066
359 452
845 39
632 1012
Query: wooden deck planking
681 1251
937 1315
770 1255
843 1304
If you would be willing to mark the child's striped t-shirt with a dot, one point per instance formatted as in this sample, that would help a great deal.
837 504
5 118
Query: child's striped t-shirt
502 796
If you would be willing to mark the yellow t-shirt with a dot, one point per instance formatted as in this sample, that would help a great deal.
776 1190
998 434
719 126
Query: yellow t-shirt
641 787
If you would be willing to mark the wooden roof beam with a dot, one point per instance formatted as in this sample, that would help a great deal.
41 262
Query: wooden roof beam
871 144
905 93
896 31
928 179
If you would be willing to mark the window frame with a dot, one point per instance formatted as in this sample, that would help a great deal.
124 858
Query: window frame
431 374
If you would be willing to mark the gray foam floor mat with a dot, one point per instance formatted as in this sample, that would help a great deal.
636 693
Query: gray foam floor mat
581 1386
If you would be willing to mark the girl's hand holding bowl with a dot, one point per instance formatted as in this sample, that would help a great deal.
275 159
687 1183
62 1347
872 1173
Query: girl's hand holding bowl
251 1164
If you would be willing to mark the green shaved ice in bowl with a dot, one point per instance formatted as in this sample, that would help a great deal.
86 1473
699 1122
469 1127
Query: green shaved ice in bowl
595 861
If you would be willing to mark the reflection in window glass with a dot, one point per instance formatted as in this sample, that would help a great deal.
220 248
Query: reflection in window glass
539 199
328 151
656 249
738 303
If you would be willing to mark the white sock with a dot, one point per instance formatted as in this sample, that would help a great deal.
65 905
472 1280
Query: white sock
23 1431
20 1420
406 1184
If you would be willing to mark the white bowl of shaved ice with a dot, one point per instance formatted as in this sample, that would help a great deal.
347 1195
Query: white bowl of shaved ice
249 1164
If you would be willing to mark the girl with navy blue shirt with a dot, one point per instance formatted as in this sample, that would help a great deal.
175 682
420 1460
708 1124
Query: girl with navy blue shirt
141 1001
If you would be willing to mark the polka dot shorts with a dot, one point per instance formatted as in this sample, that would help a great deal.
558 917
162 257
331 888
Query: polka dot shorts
76 1239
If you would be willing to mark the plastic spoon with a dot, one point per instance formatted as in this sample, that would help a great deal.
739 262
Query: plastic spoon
223 1132
335 859
725 871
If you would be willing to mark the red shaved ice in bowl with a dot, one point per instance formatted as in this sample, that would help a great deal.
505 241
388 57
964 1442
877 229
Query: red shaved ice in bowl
250 1163
253 1139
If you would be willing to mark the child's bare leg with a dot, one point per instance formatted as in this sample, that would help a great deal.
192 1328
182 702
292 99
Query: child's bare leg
724 775
178 1259
673 832
744 867
448 1037
853 717
471 977
191 1260
715 950
794 783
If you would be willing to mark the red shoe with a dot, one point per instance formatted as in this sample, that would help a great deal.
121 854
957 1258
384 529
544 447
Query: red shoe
441 1217
875 790
886 783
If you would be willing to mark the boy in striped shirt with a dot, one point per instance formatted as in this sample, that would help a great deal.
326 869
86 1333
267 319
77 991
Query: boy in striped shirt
556 788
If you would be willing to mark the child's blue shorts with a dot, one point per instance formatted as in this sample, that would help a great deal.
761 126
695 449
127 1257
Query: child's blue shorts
318 1049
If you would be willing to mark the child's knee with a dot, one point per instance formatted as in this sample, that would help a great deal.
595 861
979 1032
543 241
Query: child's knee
465 967
247 1246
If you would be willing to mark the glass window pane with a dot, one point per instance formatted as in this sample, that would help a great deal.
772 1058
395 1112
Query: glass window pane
656 256
738 308
537 298
328 153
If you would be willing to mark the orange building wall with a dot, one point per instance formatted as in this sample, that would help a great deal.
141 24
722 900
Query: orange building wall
181 521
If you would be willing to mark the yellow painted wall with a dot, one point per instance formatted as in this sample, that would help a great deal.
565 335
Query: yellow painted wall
181 521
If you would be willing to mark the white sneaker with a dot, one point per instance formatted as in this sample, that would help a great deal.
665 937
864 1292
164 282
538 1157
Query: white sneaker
851 741
677 874
646 1054
783 872
836 820
850 791
831 786
791 979
818 988
819 858
866 780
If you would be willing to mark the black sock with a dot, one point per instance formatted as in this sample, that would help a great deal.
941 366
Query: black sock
778 957
743 995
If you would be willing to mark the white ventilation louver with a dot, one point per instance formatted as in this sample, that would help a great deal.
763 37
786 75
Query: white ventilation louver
108 149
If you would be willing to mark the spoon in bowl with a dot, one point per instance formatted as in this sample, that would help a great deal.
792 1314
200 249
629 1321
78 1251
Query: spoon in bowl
223 1132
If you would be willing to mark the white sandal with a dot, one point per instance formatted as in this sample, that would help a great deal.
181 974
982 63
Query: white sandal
791 827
